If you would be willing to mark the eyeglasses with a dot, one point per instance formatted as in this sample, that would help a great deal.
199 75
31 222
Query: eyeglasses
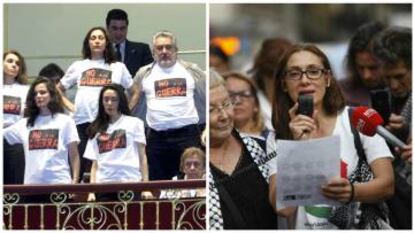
242 95
225 106
168 47
195 164
313 74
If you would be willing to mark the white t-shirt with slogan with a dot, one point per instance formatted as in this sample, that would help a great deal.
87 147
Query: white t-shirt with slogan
45 147
316 217
14 99
116 151
90 76
169 93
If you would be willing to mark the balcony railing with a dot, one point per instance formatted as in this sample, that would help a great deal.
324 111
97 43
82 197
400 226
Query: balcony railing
65 211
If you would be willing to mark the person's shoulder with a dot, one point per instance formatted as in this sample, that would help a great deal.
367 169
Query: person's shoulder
81 62
346 83
21 87
261 141
62 117
143 71
192 67
22 123
132 119
136 44
188 64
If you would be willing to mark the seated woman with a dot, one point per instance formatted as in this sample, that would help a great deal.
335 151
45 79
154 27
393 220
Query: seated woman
116 144
192 166
247 114
238 175
49 138
306 70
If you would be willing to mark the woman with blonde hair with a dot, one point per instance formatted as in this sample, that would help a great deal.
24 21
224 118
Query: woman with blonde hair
247 114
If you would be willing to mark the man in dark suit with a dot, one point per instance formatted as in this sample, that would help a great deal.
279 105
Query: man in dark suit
133 54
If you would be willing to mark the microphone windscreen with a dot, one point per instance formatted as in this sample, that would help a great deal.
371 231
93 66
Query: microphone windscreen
366 120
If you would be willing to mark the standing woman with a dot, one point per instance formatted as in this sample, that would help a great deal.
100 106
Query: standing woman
98 68
306 70
14 97
238 175
266 63
116 143
247 114
49 137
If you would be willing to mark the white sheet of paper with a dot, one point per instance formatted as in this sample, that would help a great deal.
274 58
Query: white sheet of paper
302 167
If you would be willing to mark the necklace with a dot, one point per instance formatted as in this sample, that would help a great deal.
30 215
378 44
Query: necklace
226 162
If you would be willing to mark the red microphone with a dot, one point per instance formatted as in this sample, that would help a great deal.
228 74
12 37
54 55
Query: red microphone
368 122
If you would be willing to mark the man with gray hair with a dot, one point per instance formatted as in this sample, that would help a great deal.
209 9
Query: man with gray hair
171 101
393 48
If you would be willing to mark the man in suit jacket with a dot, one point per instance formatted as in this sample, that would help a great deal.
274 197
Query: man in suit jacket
133 54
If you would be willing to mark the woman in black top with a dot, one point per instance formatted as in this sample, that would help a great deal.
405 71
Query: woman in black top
238 175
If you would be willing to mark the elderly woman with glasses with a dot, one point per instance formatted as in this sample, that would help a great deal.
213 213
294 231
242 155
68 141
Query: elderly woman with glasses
192 166
238 175
367 172
247 114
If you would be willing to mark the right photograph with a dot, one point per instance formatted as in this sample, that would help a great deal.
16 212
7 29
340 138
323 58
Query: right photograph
310 116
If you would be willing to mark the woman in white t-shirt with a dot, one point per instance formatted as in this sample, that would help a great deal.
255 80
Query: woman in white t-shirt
116 144
305 70
14 97
98 68
49 137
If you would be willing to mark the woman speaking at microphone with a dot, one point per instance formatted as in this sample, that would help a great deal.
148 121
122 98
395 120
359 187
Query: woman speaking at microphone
305 70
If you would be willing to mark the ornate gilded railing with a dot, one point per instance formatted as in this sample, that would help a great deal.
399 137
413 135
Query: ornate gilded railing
73 212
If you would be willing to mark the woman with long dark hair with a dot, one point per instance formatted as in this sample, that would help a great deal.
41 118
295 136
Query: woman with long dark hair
49 137
305 70
98 68
116 143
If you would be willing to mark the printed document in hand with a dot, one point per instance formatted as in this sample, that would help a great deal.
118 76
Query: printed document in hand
302 167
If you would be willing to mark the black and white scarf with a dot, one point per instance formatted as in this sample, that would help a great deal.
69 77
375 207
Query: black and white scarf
260 158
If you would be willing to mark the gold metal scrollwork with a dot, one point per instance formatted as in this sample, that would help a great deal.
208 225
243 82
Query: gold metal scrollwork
126 196
58 198
11 198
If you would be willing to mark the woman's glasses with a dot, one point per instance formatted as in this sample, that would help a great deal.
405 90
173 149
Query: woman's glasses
311 73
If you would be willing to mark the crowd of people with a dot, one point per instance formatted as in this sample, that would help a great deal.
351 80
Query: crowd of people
130 112
374 186
131 117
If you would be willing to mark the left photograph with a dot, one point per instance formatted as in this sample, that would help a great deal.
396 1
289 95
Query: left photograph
104 116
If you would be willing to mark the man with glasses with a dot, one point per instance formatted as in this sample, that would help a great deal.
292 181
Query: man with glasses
133 54
393 48
171 100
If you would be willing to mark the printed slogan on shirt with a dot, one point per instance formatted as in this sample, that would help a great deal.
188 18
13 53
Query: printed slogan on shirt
96 77
108 142
43 139
11 105
170 87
